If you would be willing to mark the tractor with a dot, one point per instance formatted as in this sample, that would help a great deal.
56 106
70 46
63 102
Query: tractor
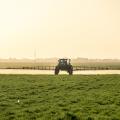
64 65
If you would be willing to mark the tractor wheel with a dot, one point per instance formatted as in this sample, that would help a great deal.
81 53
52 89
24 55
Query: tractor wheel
70 71
56 71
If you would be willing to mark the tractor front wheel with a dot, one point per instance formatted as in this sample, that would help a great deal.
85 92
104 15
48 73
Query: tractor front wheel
70 71
56 71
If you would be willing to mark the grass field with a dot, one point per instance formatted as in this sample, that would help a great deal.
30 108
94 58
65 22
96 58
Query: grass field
48 97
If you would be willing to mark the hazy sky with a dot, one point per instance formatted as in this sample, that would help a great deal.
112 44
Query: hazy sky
60 28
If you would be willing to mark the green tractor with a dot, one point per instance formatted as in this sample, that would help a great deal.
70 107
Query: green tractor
65 65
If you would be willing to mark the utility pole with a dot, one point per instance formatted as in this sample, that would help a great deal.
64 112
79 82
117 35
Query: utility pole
34 56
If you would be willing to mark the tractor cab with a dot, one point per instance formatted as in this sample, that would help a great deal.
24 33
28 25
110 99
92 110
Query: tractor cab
64 62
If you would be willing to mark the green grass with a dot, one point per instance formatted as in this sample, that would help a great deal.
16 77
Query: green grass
48 97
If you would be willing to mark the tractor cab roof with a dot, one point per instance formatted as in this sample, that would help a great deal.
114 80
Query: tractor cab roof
64 59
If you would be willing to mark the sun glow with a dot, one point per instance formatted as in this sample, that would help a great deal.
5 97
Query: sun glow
58 28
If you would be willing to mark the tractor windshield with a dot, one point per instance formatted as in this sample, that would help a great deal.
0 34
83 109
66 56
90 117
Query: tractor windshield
63 61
